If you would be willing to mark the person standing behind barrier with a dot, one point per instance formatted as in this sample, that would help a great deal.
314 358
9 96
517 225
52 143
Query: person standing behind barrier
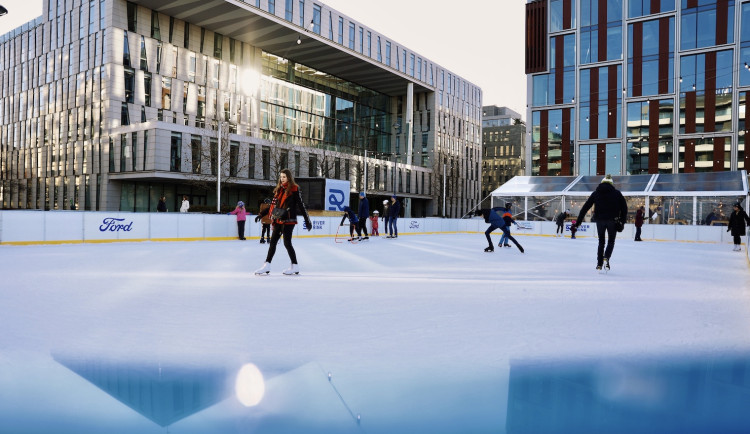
241 214
385 216
185 204
287 200
265 229
393 210
374 220
610 211
639 222
364 214
737 222
162 205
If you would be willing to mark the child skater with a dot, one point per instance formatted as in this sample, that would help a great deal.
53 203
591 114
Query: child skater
374 220
353 223
241 214
573 230
508 218
265 221
495 218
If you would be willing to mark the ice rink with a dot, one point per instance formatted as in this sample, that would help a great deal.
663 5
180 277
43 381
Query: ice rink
424 333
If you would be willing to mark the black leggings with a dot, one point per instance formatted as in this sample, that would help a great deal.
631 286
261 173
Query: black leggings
265 230
560 229
287 230
505 230
609 228
363 226
737 240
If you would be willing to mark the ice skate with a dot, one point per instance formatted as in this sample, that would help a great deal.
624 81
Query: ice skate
606 264
489 249
520 248
506 245
262 240
264 270
293 269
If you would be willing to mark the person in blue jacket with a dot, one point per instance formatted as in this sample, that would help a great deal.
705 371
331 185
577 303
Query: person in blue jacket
353 223
364 213
494 217
393 210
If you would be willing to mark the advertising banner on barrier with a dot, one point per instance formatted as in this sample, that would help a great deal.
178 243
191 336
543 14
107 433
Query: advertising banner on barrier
337 194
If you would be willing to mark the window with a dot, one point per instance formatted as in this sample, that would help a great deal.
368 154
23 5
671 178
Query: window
272 6
351 35
186 36
155 32
166 93
234 153
125 51
147 88
341 31
171 28
312 165
133 148
316 19
387 53
132 17
379 52
297 164
144 58
251 162
145 147
361 40
129 86
266 162
175 152
218 41
124 114
707 25
123 152
289 11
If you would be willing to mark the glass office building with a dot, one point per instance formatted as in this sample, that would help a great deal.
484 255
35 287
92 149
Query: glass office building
632 87
111 104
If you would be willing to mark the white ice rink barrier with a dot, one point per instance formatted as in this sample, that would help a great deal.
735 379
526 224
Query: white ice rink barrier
50 227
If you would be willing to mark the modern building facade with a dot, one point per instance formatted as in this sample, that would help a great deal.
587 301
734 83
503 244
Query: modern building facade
637 86
110 104
503 147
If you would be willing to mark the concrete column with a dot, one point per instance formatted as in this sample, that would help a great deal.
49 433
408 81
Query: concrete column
409 122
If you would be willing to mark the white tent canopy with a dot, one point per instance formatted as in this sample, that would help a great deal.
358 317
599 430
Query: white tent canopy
707 189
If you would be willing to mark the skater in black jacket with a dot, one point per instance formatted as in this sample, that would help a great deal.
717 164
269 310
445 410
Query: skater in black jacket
737 222
610 211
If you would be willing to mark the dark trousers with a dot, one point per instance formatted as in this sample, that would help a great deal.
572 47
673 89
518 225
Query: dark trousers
393 229
362 226
506 233
637 233
352 227
560 229
608 228
241 229
287 231
737 240
265 231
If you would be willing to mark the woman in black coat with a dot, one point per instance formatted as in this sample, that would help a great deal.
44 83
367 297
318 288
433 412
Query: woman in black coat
737 222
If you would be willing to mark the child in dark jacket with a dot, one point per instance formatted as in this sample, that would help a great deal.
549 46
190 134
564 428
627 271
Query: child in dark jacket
573 230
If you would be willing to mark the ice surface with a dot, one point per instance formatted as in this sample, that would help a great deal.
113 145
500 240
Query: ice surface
418 332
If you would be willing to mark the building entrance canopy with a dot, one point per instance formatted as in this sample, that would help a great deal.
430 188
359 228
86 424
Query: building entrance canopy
684 198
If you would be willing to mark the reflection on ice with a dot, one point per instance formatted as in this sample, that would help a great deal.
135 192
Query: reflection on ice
646 396
249 386
163 394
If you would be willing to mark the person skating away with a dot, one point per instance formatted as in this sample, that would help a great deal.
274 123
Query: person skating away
639 217
265 221
353 224
737 222
364 214
288 202
560 220
393 209
241 214
374 220
508 218
573 230
610 211
494 217
185 204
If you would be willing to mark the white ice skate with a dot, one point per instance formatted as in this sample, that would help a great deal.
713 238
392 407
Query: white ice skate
264 270
293 269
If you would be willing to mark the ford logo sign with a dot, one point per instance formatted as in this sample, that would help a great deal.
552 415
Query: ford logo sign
113 225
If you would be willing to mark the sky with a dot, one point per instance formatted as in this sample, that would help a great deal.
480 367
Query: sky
420 334
480 40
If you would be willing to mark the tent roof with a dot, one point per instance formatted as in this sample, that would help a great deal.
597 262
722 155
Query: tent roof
730 183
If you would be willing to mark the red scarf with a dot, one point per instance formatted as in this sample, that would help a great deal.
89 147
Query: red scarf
280 200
